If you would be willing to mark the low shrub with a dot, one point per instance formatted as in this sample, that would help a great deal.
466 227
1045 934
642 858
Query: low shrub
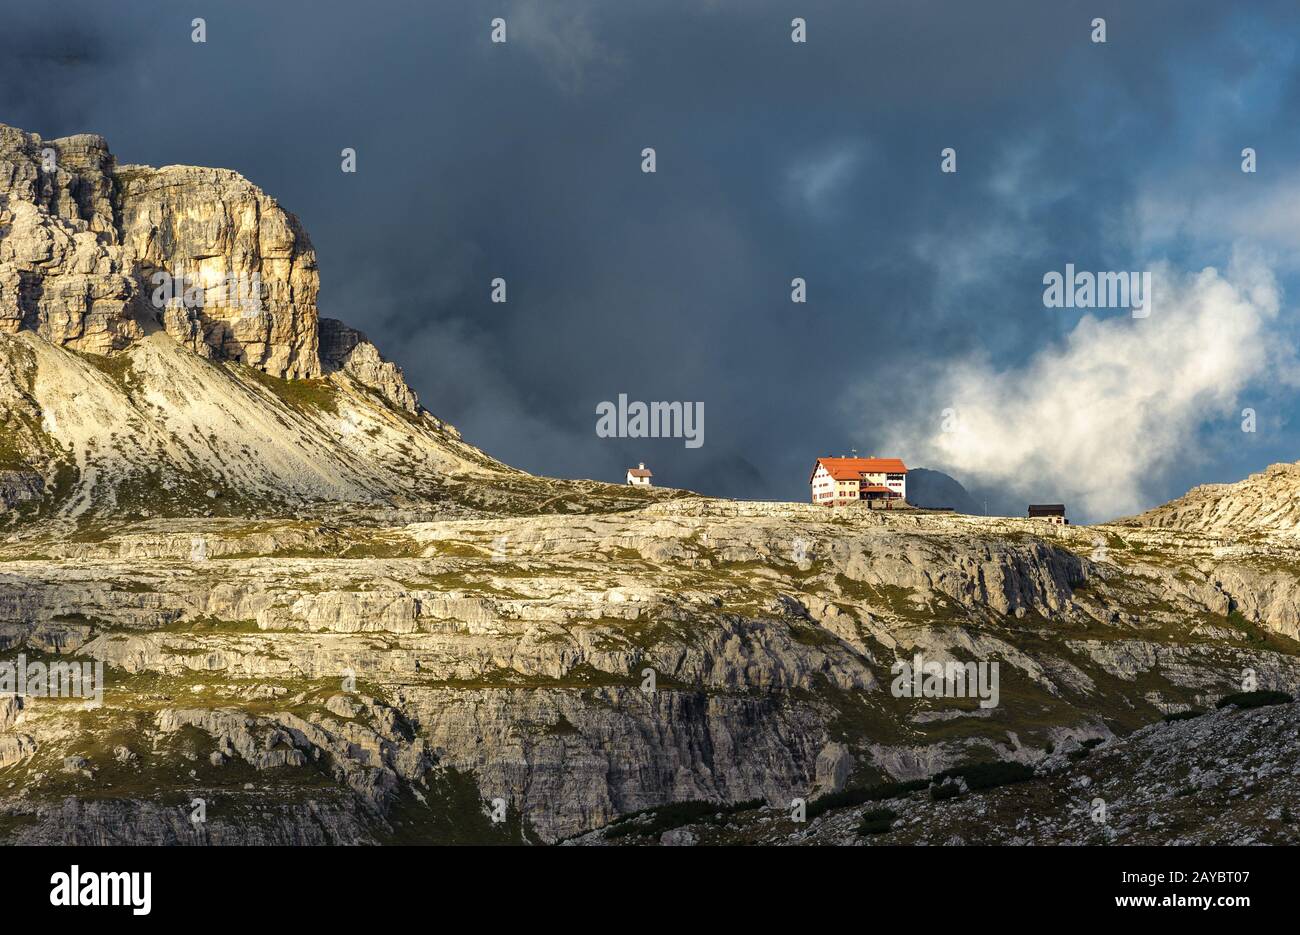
1257 699
942 786
945 790
877 821
988 775
858 795
675 815
1182 715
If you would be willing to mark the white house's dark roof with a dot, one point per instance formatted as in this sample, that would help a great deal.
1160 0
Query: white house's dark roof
1047 509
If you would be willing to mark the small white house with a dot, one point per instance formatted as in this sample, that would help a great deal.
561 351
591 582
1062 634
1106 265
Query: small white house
1052 512
639 476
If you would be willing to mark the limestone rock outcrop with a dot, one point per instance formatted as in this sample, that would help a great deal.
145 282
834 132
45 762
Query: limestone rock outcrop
348 349
63 271
1227 777
135 280
93 255
249 257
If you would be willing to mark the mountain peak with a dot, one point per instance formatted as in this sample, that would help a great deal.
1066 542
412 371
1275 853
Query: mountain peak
94 256
162 355
167 342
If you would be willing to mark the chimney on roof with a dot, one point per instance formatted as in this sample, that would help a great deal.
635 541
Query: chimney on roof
641 465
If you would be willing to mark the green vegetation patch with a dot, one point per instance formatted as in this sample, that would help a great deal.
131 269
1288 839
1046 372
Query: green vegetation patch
858 795
310 397
978 776
452 811
655 821
1085 747
117 367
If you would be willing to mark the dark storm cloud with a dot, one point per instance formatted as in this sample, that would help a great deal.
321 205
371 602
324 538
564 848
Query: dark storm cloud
775 160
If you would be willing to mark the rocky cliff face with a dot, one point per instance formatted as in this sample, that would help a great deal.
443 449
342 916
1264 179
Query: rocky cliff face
347 349
250 260
86 246
397 679
63 271
328 619
1224 778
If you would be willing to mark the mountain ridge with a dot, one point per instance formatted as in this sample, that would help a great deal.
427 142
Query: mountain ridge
1266 502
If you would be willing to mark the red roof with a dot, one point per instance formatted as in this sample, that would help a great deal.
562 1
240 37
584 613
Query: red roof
853 468
876 488
639 472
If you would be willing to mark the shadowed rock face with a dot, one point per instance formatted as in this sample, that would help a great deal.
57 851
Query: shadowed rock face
1226 777
84 238
937 490
347 349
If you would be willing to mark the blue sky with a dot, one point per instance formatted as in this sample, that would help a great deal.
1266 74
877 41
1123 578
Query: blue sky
775 160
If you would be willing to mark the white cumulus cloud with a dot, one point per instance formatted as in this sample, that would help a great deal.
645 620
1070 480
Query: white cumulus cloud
1096 419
